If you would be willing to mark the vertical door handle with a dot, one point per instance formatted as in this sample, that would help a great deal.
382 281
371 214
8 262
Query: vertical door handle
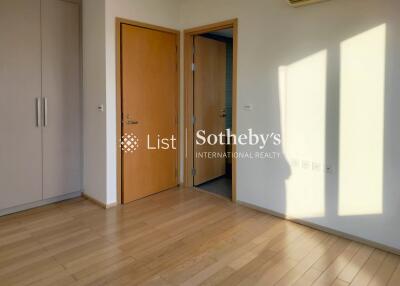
45 114
38 112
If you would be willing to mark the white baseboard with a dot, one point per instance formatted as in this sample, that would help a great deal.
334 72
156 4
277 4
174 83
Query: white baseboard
304 2
97 202
39 203
324 229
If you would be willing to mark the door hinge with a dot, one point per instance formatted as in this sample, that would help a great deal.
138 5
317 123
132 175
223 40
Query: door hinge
193 172
193 120
193 66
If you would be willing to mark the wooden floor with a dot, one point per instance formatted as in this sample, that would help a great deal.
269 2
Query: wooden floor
179 237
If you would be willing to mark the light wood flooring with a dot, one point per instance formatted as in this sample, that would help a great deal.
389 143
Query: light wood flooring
179 237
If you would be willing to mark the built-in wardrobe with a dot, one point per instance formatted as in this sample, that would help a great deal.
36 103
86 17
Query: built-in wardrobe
40 102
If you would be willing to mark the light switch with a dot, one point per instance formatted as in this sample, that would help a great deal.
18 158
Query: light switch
248 107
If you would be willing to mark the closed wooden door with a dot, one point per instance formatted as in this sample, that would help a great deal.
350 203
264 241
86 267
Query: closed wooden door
209 106
61 83
20 91
149 105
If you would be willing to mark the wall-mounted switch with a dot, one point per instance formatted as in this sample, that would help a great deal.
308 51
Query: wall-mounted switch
248 107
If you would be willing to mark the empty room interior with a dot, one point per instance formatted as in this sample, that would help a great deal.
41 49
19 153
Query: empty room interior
199 142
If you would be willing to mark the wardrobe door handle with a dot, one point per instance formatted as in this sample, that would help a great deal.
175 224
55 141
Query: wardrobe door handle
45 120
38 112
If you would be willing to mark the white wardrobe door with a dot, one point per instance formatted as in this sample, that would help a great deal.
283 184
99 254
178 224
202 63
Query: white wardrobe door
20 81
62 166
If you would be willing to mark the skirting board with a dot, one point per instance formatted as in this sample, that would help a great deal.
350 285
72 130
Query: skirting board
39 203
97 202
322 228
304 2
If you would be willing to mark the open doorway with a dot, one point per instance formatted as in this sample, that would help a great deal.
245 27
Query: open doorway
210 85
213 59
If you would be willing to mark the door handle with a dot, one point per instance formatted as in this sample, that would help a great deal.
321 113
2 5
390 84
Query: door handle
45 120
38 112
132 122
223 112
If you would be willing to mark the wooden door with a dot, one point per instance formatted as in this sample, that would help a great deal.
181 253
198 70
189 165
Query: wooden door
20 131
61 83
149 104
209 106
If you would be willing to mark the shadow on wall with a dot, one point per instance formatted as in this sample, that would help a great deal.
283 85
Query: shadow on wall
340 127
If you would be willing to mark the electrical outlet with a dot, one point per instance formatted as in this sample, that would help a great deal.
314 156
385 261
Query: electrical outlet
306 165
316 166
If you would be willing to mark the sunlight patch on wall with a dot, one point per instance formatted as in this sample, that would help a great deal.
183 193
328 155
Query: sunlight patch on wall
303 106
362 98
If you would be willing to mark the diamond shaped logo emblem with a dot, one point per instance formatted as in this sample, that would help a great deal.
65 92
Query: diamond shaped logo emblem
129 143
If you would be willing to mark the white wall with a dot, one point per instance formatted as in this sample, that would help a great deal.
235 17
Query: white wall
296 66
94 90
325 76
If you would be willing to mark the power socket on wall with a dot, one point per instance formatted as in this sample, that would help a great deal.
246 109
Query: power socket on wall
306 165
316 167
311 166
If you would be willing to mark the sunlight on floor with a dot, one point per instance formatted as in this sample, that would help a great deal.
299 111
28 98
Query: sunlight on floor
362 123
